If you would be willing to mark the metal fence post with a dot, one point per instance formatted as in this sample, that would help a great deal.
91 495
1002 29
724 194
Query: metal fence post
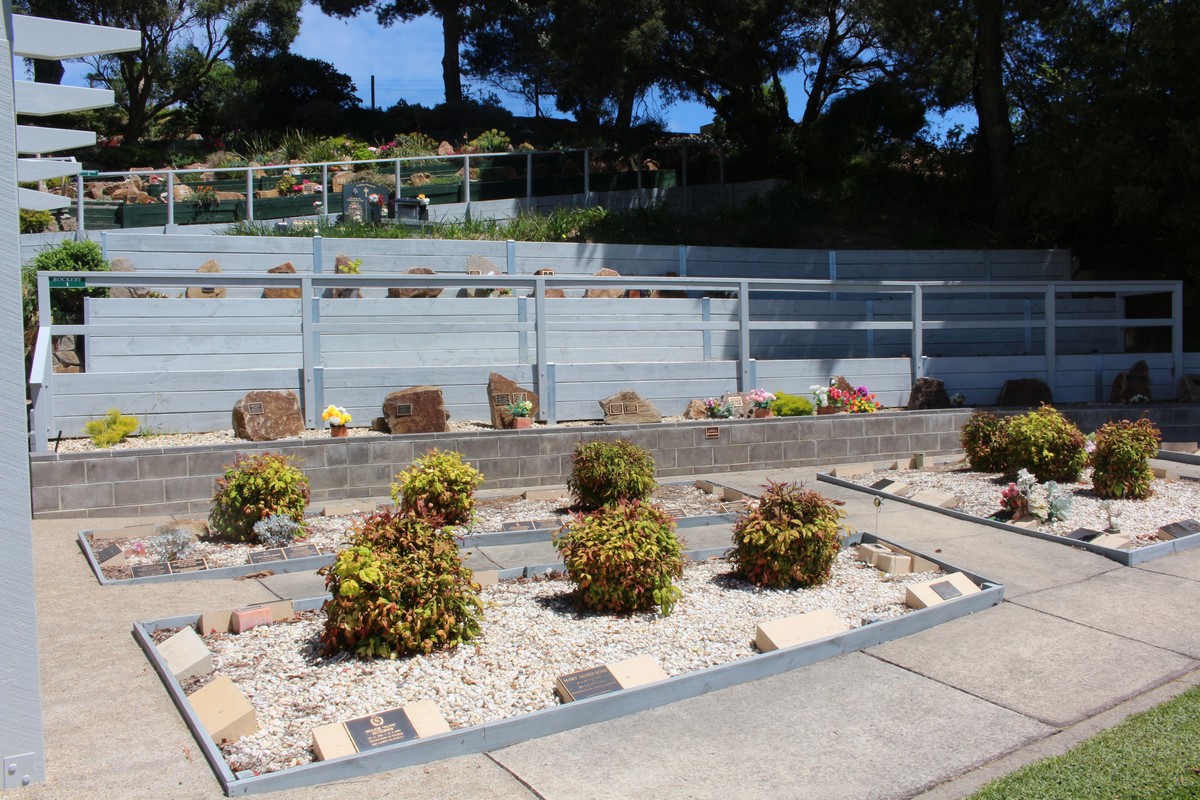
744 378
399 184
310 344
324 188
80 222
917 365
1051 336
550 396
467 185
587 176
681 252
170 198
250 193
1177 330
542 372
510 254
318 254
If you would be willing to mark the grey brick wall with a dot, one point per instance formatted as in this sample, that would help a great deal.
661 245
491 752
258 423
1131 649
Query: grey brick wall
182 481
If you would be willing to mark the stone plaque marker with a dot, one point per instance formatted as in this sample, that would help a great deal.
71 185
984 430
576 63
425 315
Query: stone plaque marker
383 728
712 433
503 399
186 655
605 272
924 594
629 407
1083 534
224 711
520 525
110 556
417 409
868 552
267 556
853 470
409 292
935 498
243 619
264 416
187 565
208 268
894 563
282 292
608 678
791 631
254 408
1177 530
500 387
1113 540
148 570
403 409
301 551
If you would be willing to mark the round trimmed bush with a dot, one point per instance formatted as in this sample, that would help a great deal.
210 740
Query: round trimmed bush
604 473
789 540
790 405
1047 444
1121 462
438 484
985 438
254 488
623 558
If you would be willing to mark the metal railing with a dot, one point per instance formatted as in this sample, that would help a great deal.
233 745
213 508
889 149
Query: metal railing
312 286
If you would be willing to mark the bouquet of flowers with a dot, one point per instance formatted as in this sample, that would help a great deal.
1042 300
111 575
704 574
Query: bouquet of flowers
521 408
761 398
336 416
717 408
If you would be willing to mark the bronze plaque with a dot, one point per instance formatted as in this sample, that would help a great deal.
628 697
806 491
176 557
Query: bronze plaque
615 408
548 522
254 408
712 433
266 556
208 290
1180 529
112 551
522 525
474 272
188 565
301 551
631 408
736 401
945 590
590 682
147 570
379 730
503 399
1083 534
402 409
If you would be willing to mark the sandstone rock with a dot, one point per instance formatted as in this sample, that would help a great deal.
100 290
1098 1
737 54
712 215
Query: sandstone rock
1024 393
478 265
445 149
843 384
415 292
208 267
181 192
95 191
928 393
230 196
1132 383
628 407
125 265
550 292
501 391
339 181
264 416
281 292
1189 389
605 272
741 404
696 410
267 193
418 409
343 265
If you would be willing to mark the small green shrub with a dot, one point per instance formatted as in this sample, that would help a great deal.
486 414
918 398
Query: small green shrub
66 305
789 540
276 531
790 405
438 483
110 429
400 588
604 473
1121 462
985 438
254 488
35 221
1047 444
169 543
623 558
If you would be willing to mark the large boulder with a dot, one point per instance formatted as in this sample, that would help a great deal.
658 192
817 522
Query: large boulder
500 392
1134 382
1025 393
416 292
628 407
928 393
125 265
282 292
695 410
264 416
344 265
207 268
605 272
550 292
417 409
1189 389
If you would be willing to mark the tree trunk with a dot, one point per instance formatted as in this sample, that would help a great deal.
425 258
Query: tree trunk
991 105
451 39
45 71
625 105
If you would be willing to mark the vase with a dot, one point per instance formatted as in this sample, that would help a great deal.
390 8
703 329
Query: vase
339 431
520 423
762 413
823 410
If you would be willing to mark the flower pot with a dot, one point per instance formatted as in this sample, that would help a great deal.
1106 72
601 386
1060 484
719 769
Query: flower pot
822 410
339 431
522 422
762 413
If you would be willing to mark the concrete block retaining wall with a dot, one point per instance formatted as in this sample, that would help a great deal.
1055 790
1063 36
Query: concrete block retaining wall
181 480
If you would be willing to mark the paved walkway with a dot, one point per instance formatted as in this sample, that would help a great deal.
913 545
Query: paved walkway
1078 644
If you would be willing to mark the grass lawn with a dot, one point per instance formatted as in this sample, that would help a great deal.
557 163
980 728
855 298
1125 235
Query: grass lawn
1154 755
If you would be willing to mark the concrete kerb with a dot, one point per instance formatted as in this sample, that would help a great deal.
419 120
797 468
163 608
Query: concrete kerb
1126 558
493 736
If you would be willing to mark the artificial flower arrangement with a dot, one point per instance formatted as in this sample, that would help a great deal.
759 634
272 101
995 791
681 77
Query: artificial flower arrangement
820 395
521 408
717 408
336 416
761 398
859 401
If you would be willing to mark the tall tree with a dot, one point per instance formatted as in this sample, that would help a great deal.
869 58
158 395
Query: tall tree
182 42
508 47
454 15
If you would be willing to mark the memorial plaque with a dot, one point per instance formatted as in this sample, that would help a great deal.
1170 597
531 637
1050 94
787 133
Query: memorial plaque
254 408
883 484
945 590
301 551
522 525
520 397
402 409
474 272
548 522
112 551
616 408
147 570
736 401
590 682
733 508
1182 528
503 400
631 408
187 565
1083 534
712 433
208 290
266 556
379 730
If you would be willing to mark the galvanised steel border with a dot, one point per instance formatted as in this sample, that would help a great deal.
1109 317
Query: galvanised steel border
503 733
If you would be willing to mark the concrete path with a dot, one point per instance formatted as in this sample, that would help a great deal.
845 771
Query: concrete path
1079 643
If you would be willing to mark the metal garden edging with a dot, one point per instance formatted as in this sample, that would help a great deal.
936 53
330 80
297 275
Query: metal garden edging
495 735
1126 558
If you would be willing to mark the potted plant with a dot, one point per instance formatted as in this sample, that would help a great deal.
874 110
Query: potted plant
520 410
761 399
717 408
824 399
337 417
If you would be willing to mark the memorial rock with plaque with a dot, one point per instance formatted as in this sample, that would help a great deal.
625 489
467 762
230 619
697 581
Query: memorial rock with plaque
939 590
264 416
282 292
417 409
627 407
408 292
197 292
500 392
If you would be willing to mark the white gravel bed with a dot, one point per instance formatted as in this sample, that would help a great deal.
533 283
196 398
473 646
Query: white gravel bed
1172 501
531 635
